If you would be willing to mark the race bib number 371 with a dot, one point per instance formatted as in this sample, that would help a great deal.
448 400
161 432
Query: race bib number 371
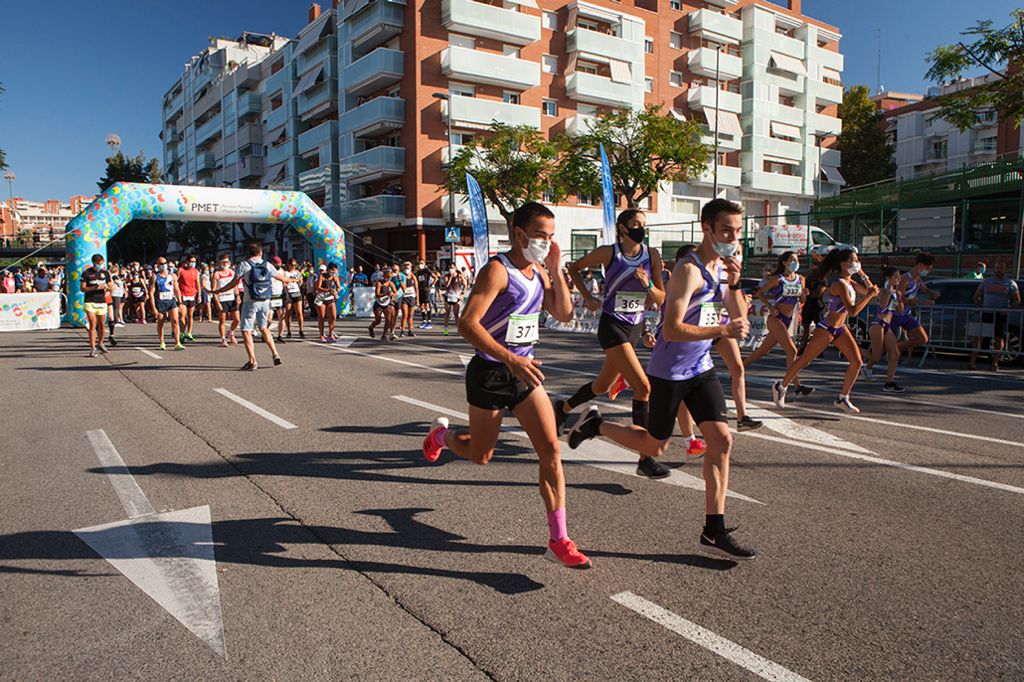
710 314
523 330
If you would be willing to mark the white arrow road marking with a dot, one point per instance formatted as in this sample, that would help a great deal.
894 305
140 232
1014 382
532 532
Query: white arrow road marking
807 437
149 353
345 341
599 454
465 359
168 556
269 416
716 644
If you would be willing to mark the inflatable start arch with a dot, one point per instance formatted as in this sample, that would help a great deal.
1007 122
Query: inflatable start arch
122 202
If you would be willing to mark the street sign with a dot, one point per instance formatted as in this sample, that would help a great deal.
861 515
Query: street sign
451 235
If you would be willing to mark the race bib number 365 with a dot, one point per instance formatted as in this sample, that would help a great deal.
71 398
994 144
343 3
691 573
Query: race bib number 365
711 314
630 301
523 330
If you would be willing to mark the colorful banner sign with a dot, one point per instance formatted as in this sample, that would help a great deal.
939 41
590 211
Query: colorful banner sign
24 312
481 233
607 199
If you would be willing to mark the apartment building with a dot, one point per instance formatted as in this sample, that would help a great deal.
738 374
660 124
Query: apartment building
766 76
43 221
926 144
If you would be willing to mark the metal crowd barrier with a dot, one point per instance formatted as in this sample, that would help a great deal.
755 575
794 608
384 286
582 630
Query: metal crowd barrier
954 328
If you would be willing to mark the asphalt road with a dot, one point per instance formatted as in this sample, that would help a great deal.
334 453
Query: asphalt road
889 544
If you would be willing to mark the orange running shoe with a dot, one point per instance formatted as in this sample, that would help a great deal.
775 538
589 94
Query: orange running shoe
618 387
431 450
565 552
696 448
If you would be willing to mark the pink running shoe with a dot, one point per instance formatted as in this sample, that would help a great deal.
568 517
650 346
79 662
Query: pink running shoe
618 387
431 450
696 448
231 337
223 343
565 552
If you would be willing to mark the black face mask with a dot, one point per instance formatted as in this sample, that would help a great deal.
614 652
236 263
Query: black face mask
636 234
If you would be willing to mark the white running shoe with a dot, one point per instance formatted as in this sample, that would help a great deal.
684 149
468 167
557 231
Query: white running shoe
844 404
866 371
779 395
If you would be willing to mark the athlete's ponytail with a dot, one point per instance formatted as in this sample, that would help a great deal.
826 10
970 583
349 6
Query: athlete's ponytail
780 265
832 263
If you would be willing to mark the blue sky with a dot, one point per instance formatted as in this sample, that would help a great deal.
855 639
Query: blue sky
75 71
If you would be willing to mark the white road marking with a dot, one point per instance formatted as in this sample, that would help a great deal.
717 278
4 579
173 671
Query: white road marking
387 359
810 438
149 353
345 341
269 416
703 637
465 359
544 366
169 556
599 454
128 491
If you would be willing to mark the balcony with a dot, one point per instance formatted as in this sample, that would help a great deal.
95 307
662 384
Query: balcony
773 146
317 179
374 164
488 21
173 109
316 100
205 162
728 176
715 26
250 167
703 97
603 45
580 124
773 182
831 157
820 123
589 87
208 131
374 118
824 92
381 208
281 152
251 103
827 58
251 134
480 113
314 137
375 71
703 62
374 25
276 118
776 42
489 68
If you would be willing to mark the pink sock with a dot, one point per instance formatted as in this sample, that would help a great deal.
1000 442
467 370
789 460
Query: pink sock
439 437
556 522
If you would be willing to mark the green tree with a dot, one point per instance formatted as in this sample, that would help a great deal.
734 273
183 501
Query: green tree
200 238
645 148
141 240
1000 51
867 157
513 165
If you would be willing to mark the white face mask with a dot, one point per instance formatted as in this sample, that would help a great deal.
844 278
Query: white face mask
537 250
725 249
854 267
924 272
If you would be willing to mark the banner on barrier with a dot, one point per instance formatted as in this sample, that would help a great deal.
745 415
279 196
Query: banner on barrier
21 312
363 297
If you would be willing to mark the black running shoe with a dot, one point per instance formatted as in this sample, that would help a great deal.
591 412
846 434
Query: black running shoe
892 387
586 427
803 391
723 545
560 416
748 424
652 468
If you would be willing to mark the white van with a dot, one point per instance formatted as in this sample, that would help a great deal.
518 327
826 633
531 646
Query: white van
777 239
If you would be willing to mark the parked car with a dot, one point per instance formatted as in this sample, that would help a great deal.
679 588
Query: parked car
948 316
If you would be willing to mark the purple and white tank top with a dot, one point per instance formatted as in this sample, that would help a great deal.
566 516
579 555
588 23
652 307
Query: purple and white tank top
513 319
624 294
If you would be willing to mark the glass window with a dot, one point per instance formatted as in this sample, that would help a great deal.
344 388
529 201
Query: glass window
649 84
461 90
551 21
675 40
510 97
510 51
462 41
685 206
675 78
549 64
550 107
649 45
675 4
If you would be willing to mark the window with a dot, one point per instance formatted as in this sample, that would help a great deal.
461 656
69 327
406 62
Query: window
588 24
510 97
646 203
461 41
551 21
276 66
549 63
675 40
675 4
583 243
510 51
457 89
685 206
649 85
462 138
548 197
649 45
586 200
550 107
675 79
586 67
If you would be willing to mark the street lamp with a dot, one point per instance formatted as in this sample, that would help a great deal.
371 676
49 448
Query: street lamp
113 141
451 197
718 87
10 177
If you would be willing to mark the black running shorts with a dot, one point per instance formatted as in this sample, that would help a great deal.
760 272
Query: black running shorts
228 307
702 394
612 332
492 386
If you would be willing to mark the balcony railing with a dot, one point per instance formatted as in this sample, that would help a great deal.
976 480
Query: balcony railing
317 178
376 117
208 130
488 21
465 64
580 124
314 137
374 25
207 161
703 62
589 87
480 113
712 25
703 97
381 208
250 166
373 164
251 103
602 44
377 70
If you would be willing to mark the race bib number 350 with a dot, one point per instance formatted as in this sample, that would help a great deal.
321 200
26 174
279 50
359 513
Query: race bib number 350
523 330
711 314
630 301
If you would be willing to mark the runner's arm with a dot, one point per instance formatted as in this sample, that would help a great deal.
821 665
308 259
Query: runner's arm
602 255
769 283
230 285
656 292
